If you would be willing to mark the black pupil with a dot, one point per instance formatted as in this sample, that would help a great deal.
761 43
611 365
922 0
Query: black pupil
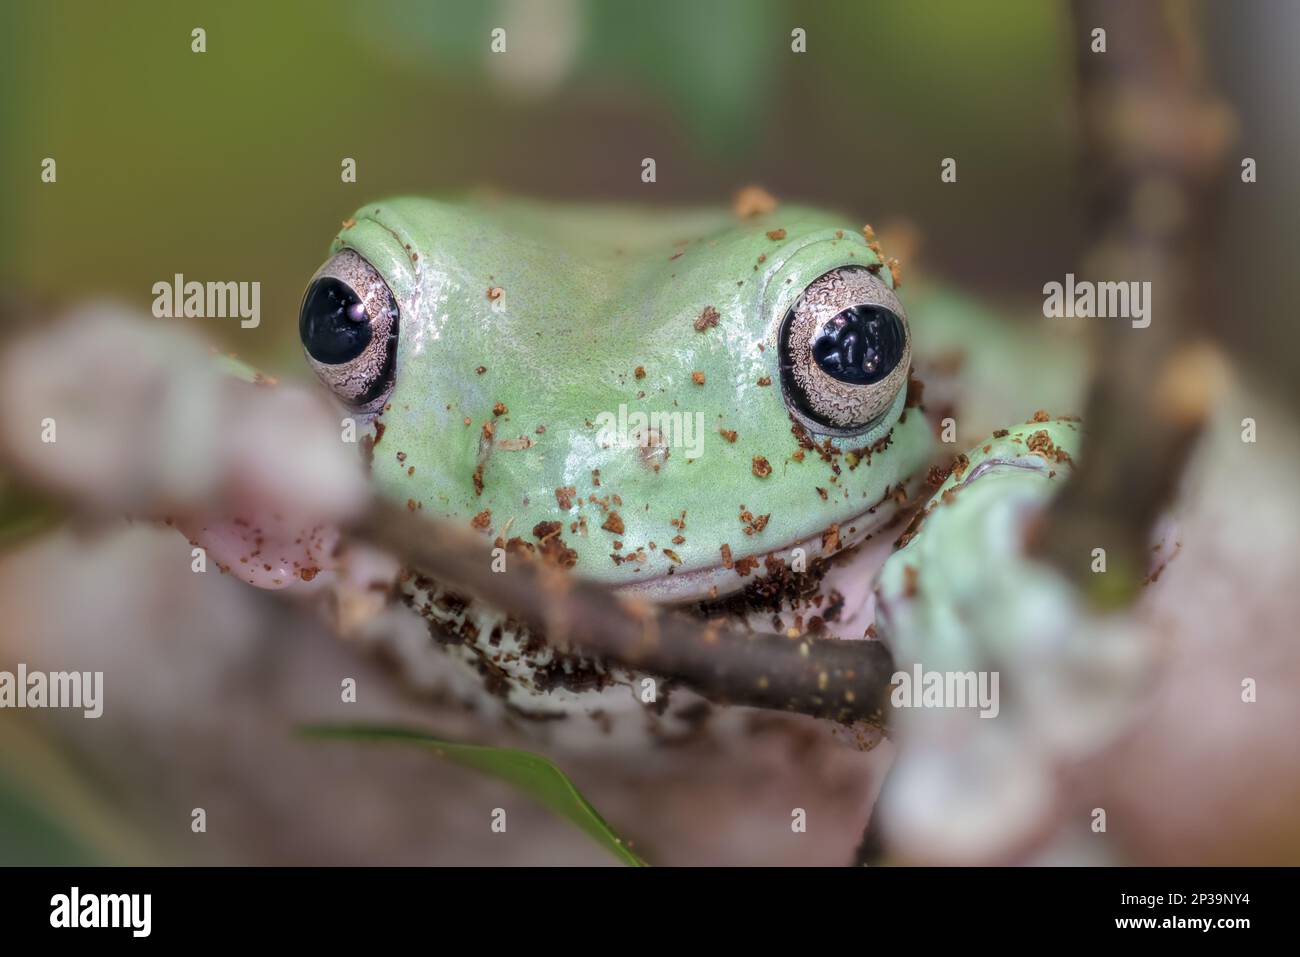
333 324
860 346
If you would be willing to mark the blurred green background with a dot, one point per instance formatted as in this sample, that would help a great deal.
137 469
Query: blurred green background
225 165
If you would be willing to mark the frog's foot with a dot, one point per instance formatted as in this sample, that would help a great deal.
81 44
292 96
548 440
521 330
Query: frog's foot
156 427
1005 678
264 550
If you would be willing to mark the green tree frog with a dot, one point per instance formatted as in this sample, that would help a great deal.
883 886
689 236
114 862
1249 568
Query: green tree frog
693 406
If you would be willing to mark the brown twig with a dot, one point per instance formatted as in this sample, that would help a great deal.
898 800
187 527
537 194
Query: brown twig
1151 154
1153 143
827 678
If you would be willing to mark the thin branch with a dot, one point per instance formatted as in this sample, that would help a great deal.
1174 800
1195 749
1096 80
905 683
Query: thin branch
827 678
1153 145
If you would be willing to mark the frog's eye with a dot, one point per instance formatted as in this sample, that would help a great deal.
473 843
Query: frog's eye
348 326
845 352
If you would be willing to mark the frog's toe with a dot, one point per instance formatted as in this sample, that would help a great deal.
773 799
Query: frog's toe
1005 675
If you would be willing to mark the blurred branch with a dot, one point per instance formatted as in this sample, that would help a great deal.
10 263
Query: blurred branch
234 426
1153 147
824 677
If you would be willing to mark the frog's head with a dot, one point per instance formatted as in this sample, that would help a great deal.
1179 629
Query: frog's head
668 402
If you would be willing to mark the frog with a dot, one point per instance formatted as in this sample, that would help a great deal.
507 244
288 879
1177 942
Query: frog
713 409
724 414
680 404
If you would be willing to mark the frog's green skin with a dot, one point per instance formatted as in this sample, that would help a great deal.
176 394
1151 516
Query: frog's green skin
961 567
983 366
588 297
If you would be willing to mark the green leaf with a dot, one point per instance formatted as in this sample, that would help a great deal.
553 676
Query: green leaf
530 773
24 513
32 836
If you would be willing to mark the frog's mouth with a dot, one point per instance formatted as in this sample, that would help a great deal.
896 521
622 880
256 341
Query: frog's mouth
720 580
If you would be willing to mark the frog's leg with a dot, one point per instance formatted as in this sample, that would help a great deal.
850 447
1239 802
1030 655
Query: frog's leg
1004 675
